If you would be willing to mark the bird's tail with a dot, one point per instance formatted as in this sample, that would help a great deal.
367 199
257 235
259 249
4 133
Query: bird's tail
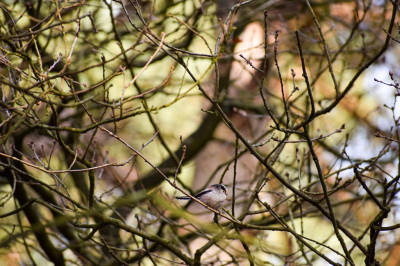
183 198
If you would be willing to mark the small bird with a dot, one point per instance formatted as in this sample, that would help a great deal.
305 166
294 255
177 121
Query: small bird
213 196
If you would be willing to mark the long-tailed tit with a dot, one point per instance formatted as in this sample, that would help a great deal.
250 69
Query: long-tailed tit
213 196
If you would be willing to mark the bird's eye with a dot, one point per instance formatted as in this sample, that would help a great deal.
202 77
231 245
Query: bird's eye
223 189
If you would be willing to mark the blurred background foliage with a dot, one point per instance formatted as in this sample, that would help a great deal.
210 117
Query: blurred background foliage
105 103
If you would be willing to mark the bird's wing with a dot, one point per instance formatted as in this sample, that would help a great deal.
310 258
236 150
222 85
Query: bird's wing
202 193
